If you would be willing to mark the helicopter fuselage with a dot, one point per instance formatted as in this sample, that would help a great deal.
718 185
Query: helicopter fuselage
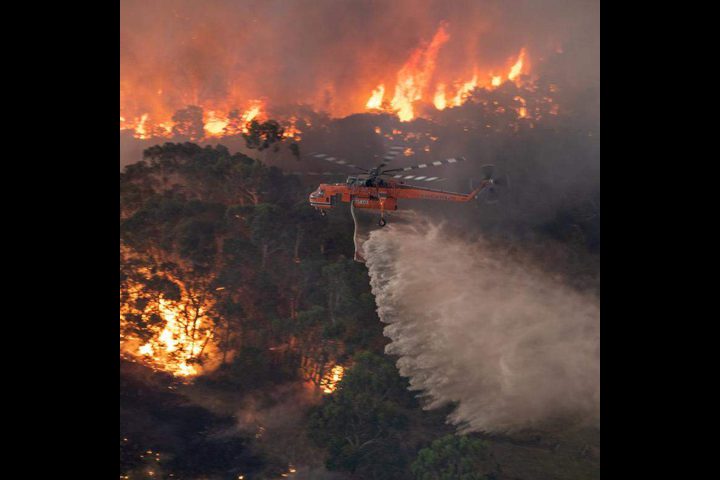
380 195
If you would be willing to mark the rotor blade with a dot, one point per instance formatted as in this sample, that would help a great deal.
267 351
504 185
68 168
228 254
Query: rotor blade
488 195
502 181
392 152
315 174
436 163
488 171
335 160
418 178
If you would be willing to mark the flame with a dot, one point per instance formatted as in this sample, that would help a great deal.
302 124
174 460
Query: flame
418 79
413 80
217 123
251 113
517 67
140 130
414 77
439 101
292 131
214 124
330 381
464 91
180 330
522 111
375 101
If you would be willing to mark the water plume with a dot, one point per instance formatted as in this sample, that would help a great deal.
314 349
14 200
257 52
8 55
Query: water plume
511 347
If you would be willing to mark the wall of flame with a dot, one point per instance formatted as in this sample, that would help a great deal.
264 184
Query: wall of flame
339 57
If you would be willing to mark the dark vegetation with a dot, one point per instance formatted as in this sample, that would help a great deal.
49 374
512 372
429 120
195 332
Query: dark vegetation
289 302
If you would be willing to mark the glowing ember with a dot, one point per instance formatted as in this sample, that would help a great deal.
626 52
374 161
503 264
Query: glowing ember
376 98
522 111
496 80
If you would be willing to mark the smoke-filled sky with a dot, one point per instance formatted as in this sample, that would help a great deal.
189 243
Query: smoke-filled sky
329 53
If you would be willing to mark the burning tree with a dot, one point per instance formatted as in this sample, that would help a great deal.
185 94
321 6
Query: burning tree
168 323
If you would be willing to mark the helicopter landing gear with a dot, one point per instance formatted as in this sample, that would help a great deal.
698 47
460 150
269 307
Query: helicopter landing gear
382 222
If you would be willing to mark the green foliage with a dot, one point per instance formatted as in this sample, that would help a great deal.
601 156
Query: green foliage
453 457
362 423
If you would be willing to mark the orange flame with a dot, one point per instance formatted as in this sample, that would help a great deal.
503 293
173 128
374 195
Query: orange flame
522 110
181 334
376 98
464 91
439 101
330 381
414 77
517 67
215 124
417 80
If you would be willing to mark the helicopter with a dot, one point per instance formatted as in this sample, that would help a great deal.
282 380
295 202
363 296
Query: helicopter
380 189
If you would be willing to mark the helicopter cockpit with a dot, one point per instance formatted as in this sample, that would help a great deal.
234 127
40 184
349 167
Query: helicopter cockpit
371 181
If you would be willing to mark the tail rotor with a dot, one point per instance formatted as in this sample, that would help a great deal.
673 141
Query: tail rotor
490 194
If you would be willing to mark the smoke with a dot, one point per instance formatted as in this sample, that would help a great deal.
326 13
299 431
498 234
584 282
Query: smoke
510 346
328 53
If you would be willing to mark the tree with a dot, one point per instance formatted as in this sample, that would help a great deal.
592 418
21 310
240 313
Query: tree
363 422
266 230
262 135
189 123
454 457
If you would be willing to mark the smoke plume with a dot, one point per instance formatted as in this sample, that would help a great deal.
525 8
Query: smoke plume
510 346
327 53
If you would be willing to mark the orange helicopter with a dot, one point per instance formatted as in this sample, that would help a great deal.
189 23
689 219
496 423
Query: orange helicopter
372 191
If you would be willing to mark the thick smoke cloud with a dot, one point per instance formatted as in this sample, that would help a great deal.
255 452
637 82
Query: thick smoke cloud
512 347
328 53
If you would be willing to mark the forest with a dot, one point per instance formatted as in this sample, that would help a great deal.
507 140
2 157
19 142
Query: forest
250 343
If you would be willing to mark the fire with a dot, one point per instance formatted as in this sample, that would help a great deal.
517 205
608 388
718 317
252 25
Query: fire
180 330
414 80
439 100
214 124
252 112
140 130
464 91
522 111
330 381
375 101
217 123
292 131
517 67
418 80
414 76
